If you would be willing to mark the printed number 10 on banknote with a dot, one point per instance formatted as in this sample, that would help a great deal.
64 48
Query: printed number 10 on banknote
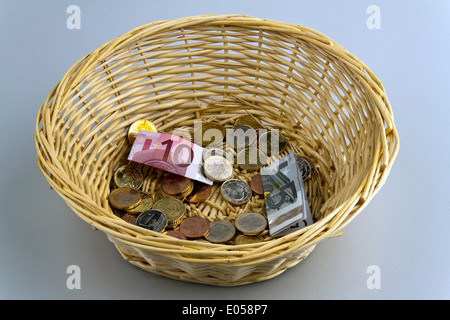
169 153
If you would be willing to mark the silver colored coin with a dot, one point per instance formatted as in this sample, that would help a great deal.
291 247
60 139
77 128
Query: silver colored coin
218 168
250 223
152 219
236 191
220 231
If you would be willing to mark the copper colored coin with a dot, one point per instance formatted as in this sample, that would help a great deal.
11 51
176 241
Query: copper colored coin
194 227
176 234
256 185
130 218
200 193
125 198
173 184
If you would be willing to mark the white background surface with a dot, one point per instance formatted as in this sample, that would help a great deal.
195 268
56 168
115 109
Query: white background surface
404 230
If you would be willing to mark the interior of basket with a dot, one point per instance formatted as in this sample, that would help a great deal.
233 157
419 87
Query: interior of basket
179 76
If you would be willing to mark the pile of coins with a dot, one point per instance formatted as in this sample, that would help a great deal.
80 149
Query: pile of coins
165 211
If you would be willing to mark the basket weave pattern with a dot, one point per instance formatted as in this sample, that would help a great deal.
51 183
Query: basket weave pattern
328 104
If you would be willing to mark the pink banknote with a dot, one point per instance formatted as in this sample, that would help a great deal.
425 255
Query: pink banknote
169 153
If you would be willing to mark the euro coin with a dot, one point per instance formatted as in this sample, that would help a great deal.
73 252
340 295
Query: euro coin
250 121
256 184
218 168
241 136
173 184
272 142
244 239
304 167
311 165
146 203
124 198
220 231
130 218
236 191
138 125
251 159
194 227
173 208
176 234
250 223
200 193
209 133
152 219
128 176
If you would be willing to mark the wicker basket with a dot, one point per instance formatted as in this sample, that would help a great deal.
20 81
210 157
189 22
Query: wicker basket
329 105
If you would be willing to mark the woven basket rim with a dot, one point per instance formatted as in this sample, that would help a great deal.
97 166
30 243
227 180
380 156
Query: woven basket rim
329 226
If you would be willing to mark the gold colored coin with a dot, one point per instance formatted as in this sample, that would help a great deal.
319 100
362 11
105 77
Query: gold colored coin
158 195
146 204
250 121
181 196
128 176
272 142
209 133
173 208
138 125
125 198
251 159
189 190
243 239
